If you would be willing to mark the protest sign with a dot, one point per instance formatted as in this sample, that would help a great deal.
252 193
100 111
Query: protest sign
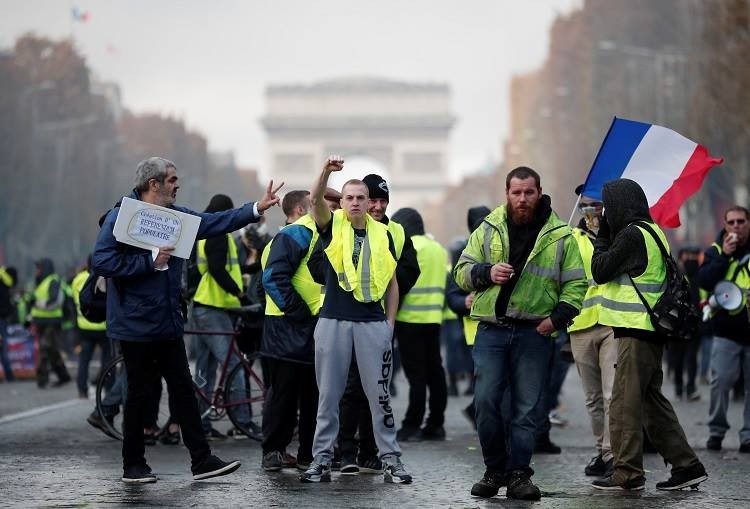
150 227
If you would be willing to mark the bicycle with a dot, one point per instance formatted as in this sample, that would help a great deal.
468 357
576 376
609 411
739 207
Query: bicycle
242 404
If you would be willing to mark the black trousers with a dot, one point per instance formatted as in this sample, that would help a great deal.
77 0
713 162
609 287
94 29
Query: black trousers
145 363
423 367
293 387
354 413
684 357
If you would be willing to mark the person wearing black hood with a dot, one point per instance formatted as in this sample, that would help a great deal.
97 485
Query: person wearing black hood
727 259
362 456
418 324
48 298
8 279
459 301
626 255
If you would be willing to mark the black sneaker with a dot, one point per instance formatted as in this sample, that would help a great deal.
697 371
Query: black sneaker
149 438
520 487
371 465
349 465
394 471
318 472
714 443
596 466
544 445
608 483
430 433
745 447
272 461
96 421
488 485
408 434
138 474
214 467
689 477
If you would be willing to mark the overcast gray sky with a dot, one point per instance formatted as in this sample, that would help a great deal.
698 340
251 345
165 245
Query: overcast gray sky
209 62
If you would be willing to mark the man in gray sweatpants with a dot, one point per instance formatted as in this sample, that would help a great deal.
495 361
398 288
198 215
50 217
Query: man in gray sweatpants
355 259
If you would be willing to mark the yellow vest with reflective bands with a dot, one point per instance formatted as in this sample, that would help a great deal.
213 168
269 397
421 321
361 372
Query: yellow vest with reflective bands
398 235
424 302
209 293
739 275
302 280
81 320
369 280
42 308
620 305
589 315
5 278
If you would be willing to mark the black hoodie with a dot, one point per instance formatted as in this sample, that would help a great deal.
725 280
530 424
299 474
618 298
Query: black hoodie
619 247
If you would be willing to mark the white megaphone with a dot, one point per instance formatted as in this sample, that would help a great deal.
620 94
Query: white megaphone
727 296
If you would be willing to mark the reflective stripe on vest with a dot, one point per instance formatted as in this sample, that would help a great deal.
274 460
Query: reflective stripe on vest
81 320
424 302
589 315
209 292
739 275
42 308
470 330
302 281
619 303
369 280
398 235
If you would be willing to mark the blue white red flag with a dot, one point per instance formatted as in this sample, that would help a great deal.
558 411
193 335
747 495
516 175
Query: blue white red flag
669 167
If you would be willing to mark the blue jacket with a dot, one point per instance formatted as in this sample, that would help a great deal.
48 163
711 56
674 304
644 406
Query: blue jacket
144 304
288 337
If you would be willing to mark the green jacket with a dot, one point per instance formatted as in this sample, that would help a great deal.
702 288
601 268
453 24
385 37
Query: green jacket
553 271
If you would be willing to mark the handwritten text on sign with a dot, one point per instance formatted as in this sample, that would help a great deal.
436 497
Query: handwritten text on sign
155 227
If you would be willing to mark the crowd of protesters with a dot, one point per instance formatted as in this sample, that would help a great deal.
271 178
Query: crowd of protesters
344 295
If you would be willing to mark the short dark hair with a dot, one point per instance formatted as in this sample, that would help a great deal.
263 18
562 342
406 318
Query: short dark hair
522 173
737 208
291 200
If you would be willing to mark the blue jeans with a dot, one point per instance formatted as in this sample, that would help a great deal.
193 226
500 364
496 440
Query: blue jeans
728 359
7 370
89 340
516 358
705 351
210 352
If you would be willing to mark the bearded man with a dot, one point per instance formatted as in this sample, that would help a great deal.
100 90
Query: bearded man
525 267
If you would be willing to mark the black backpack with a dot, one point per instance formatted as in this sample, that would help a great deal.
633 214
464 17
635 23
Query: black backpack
674 316
92 301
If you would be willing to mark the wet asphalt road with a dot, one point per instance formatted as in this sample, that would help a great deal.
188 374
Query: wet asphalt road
55 459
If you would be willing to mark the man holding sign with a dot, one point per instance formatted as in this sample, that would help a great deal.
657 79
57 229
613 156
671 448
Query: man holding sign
144 313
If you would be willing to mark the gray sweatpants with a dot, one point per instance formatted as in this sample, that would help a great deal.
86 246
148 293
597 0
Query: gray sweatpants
371 343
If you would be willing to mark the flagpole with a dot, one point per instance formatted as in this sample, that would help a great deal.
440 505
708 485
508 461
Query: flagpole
574 209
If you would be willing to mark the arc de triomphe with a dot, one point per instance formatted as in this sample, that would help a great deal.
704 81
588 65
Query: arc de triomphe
399 129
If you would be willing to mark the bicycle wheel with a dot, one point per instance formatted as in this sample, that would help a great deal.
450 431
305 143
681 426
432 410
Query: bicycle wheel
243 399
110 395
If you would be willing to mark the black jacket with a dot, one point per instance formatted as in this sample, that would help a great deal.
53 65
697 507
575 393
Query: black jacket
619 247
714 269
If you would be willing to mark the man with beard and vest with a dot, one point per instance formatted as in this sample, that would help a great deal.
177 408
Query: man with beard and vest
292 305
47 302
418 325
219 289
726 260
356 260
524 266
361 455
627 256
593 344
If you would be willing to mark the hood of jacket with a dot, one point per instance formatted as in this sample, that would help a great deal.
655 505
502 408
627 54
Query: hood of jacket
475 216
46 268
624 202
411 221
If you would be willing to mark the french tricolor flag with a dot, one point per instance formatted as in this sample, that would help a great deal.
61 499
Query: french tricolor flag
669 167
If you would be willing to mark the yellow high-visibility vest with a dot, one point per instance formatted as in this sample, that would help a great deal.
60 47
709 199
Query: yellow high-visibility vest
589 315
81 320
42 307
209 293
369 280
424 302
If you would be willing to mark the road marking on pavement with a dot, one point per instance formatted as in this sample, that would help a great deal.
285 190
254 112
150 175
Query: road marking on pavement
38 411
